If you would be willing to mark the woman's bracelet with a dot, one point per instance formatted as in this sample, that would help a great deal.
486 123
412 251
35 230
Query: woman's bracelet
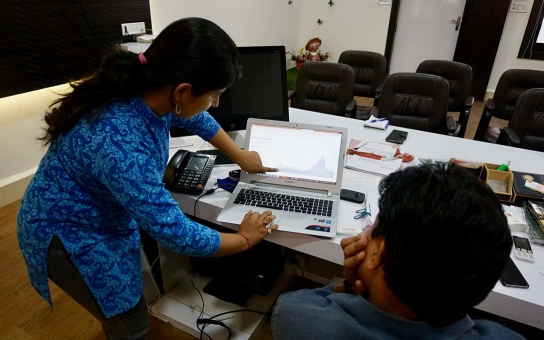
247 240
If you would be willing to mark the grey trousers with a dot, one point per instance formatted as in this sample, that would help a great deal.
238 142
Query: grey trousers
132 324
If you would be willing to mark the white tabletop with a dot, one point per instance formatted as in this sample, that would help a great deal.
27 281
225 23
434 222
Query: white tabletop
522 305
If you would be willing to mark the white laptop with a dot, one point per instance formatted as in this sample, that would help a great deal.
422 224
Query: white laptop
306 190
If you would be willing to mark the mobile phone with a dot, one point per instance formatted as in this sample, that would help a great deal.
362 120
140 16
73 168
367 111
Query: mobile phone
512 277
522 249
397 136
352 196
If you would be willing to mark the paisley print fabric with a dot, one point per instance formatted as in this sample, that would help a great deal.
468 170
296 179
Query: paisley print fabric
94 187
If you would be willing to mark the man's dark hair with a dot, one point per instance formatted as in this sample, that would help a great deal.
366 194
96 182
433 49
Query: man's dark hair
446 239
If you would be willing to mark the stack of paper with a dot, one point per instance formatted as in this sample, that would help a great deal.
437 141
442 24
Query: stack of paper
380 160
376 123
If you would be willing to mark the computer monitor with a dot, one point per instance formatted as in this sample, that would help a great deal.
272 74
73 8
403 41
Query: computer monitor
260 93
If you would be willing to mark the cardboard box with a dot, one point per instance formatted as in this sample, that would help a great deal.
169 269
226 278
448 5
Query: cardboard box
500 181
473 167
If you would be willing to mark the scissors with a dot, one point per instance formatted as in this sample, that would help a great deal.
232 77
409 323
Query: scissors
361 213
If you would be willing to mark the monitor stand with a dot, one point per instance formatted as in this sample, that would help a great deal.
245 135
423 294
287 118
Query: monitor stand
238 137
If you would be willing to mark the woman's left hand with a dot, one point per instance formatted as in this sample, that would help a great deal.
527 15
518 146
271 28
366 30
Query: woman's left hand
250 161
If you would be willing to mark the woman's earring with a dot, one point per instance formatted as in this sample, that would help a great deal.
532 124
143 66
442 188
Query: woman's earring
178 109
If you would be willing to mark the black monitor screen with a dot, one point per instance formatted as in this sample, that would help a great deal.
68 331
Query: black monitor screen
260 93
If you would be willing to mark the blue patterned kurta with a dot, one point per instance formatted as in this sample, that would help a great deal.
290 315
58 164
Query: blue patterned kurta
94 187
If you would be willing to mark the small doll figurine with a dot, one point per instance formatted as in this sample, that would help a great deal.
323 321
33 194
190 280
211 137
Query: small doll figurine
312 46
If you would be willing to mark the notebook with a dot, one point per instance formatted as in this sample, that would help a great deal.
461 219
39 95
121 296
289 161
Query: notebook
310 158
376 123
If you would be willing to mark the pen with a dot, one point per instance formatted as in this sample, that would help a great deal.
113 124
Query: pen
377 120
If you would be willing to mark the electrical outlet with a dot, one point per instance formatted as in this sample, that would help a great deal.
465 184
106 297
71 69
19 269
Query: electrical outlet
133 28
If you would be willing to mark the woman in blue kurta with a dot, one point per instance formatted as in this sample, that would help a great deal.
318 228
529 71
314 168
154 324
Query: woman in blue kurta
101 178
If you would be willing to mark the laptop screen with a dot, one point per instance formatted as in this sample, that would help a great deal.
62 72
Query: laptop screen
300 154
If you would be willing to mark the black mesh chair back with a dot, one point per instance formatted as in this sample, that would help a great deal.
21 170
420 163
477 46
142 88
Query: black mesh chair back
324 87
511 85
416 101
526 127
458 75
369 69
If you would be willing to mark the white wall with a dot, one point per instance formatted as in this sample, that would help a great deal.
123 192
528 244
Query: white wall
507 54
248 22
347 25
21 124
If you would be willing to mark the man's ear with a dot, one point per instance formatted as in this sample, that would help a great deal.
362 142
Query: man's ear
374 256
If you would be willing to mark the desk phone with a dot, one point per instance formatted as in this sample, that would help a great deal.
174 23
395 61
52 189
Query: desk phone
187 172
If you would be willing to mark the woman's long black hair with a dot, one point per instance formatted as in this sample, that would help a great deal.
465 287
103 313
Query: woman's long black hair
190 50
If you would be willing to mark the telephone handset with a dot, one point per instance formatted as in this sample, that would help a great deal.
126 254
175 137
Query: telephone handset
187 172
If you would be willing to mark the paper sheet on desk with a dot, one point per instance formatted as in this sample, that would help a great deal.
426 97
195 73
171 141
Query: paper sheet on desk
351 226
354 228
383 149
177 142
373 166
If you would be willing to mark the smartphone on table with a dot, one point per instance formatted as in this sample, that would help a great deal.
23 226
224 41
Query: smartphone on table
397 136
352 196
512 277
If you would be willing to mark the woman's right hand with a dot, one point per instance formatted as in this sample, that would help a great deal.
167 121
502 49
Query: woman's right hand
255 226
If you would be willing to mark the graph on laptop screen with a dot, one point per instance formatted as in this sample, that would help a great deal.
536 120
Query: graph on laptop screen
299 154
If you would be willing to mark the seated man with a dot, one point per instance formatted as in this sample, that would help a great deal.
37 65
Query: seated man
436 249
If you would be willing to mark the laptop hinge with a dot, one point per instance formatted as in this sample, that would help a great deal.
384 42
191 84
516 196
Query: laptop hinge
302 190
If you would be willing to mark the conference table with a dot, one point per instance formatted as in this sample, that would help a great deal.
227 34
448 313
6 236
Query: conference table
522 305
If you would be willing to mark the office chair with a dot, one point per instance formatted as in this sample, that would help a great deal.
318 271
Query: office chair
369 69
416 101
512 84
459 77
526 128
325 87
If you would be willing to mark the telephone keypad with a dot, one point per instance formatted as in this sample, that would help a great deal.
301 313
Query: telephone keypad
191 181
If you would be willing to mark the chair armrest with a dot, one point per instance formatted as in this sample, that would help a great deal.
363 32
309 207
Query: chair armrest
451 125
485 119
490 104
351 108
464 115
291 98
508 137
470 101
377 95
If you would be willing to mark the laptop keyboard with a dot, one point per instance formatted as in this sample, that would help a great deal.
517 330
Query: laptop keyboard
220 157
268 200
